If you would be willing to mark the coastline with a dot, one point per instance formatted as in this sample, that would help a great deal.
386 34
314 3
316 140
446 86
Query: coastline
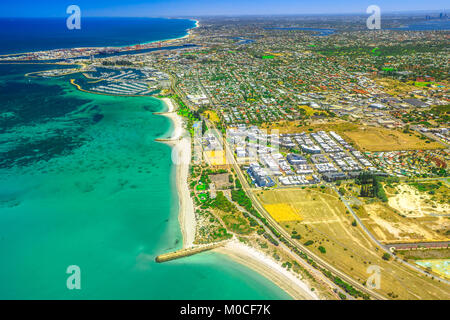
181 156
234 250
268 268
187 35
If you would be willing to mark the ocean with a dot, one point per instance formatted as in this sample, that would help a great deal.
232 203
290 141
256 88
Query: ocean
20 35
83 182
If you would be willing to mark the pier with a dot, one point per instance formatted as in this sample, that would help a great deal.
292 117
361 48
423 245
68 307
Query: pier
188 252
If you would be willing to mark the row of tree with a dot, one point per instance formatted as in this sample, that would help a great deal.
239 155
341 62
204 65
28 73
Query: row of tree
371 186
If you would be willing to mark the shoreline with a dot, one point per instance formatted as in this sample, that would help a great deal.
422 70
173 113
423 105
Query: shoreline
181 156
234 250
268 268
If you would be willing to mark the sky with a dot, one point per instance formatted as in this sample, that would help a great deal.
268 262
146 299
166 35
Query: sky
165 8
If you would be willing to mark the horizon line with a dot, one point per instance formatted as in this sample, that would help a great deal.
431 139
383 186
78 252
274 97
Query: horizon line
242 14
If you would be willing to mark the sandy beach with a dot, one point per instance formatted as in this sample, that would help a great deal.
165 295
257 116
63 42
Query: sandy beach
169 104
269 268
181 156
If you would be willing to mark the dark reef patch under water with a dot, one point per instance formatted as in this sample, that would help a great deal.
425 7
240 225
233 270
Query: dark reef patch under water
32 102
38 120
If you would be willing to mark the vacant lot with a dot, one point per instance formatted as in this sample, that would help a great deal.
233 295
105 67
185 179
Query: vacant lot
389 226
221 180
364 137
308 205
425 254
381 139
215 157
415 212
310 111
327 224
420 199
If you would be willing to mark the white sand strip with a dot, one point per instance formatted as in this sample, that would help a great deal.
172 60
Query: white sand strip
181 157
169 103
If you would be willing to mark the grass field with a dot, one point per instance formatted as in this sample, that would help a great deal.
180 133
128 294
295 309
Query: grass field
395 87
326 223
212 115
363 137
381 139
201 187
202 197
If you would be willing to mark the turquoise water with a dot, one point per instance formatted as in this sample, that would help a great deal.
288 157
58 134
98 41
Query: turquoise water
82 182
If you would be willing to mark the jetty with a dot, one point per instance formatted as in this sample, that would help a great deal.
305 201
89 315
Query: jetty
188 251
164 113
168 139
